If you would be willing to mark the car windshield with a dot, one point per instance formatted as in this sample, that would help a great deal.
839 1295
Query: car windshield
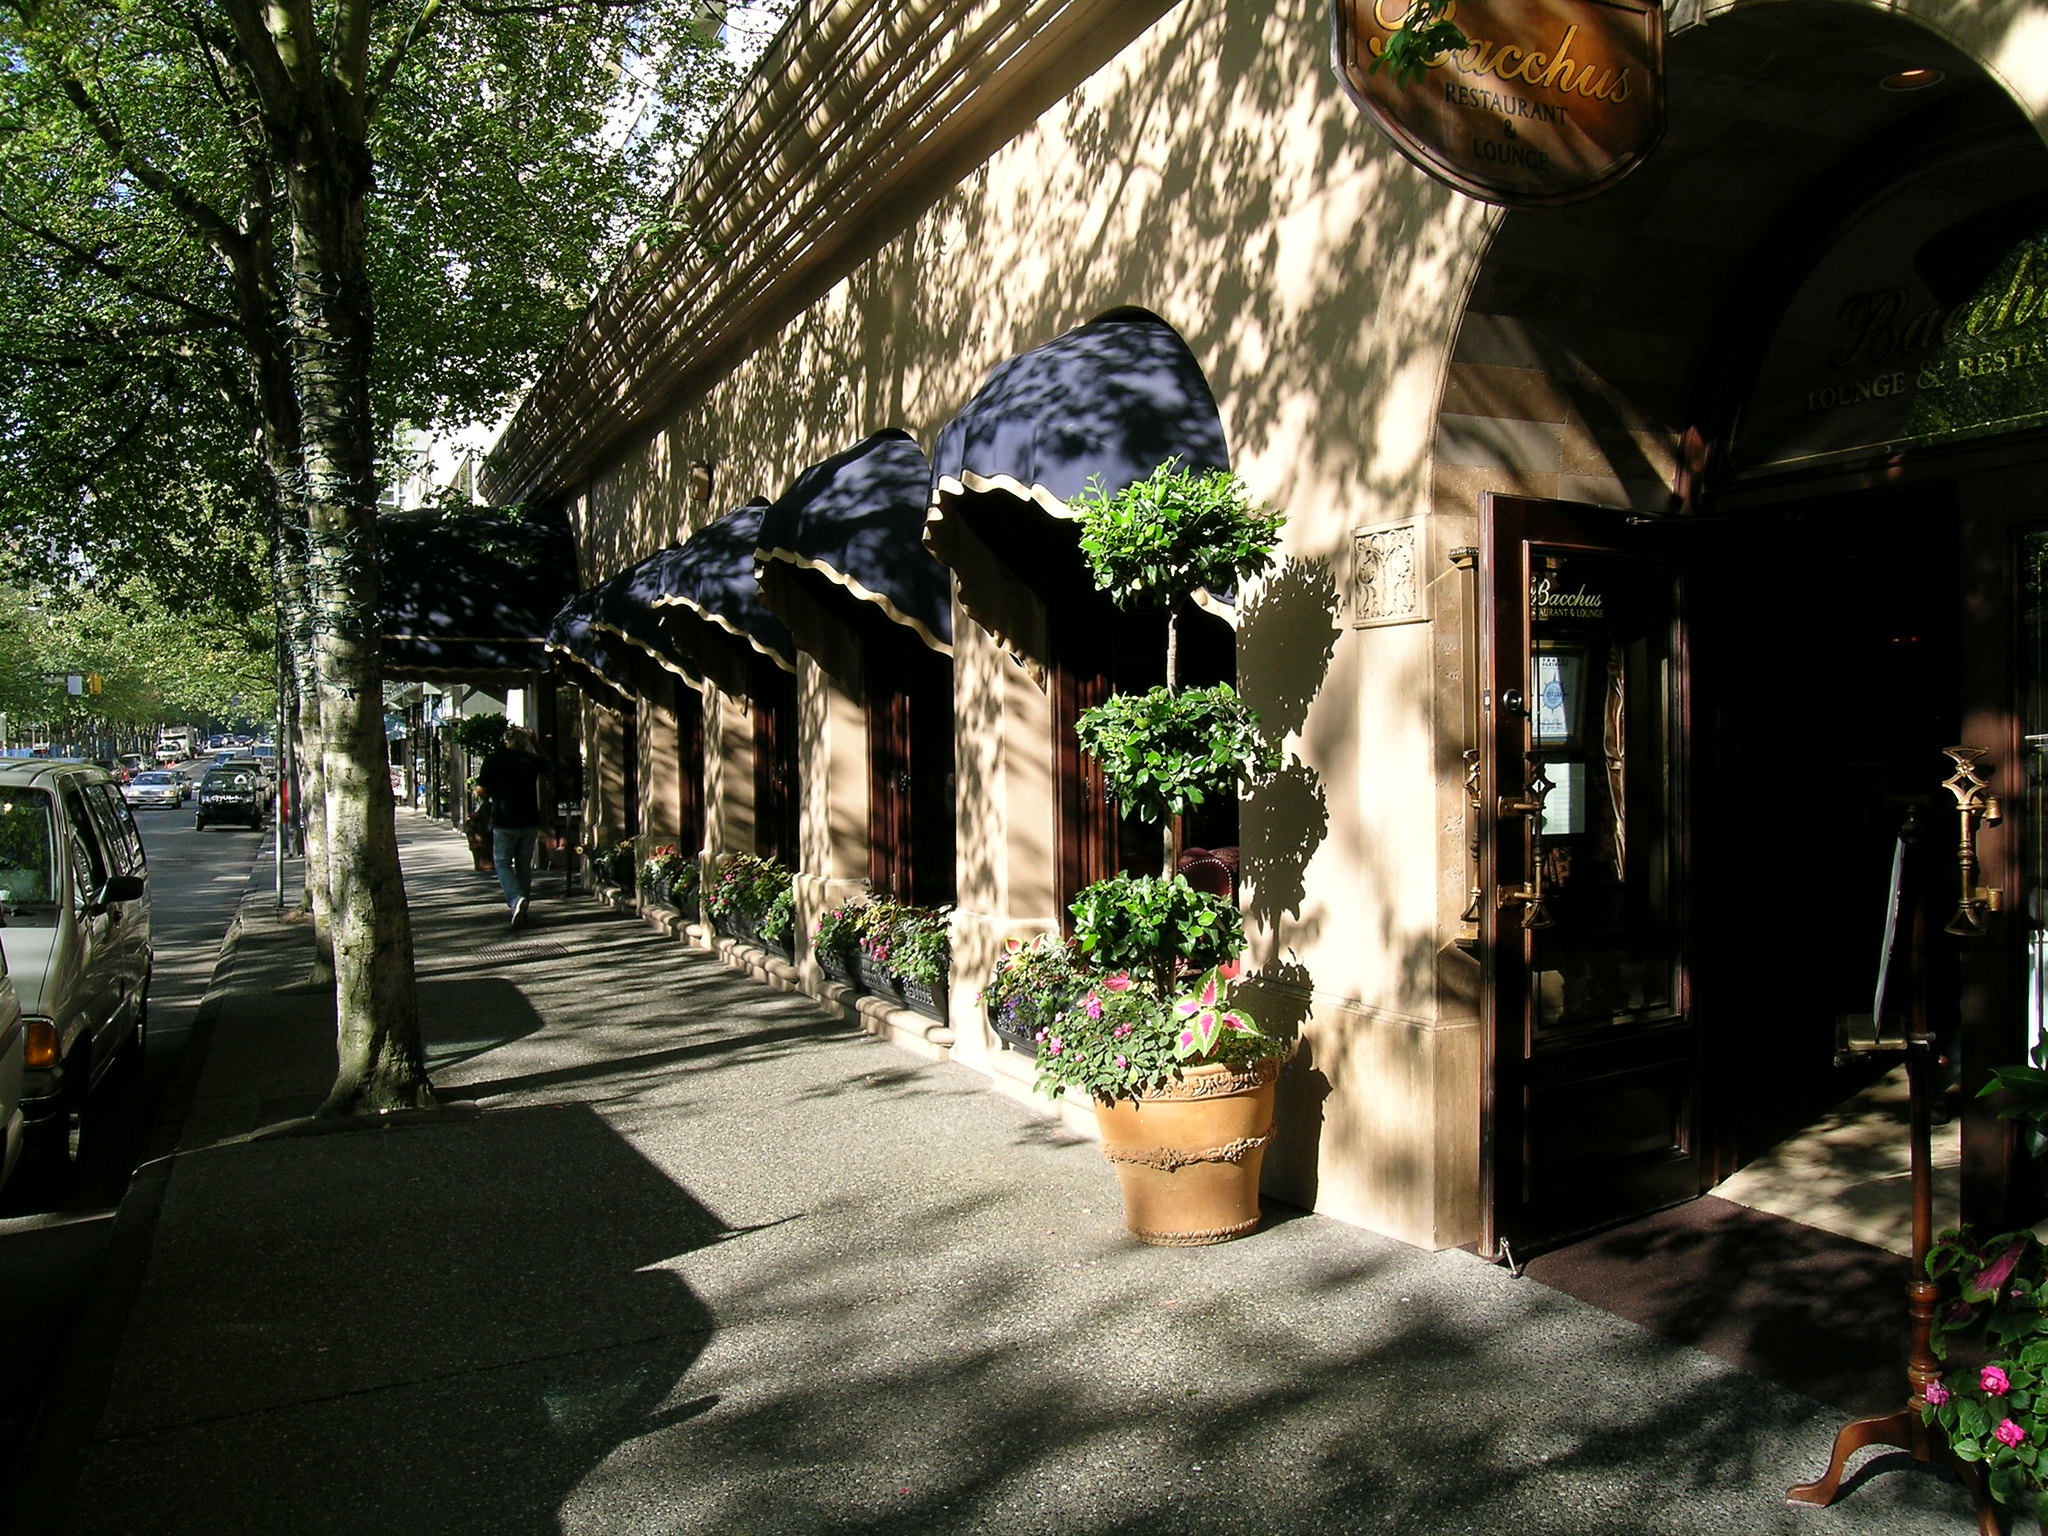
154 778
227 778
28 880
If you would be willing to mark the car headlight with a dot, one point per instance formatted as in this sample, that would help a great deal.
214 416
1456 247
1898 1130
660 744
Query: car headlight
41 1037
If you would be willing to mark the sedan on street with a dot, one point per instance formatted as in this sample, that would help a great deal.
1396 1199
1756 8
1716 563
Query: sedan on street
158 786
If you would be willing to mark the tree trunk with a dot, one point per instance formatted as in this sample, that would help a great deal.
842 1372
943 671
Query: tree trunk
380 1062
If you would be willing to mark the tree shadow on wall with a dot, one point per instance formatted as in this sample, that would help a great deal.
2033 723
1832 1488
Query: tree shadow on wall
1294 812
1287 626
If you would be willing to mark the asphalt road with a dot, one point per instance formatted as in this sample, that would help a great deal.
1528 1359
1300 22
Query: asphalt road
51 1252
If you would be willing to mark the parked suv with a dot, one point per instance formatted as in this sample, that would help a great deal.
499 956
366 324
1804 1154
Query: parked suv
74 892
235 792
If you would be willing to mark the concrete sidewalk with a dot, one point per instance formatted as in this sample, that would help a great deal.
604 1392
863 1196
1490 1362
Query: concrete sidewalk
683 1256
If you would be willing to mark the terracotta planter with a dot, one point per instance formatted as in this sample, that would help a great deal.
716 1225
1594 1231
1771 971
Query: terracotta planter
1188 1156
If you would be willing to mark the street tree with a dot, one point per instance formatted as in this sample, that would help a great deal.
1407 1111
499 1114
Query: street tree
293 226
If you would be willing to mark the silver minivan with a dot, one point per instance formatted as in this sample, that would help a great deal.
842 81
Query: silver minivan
74 926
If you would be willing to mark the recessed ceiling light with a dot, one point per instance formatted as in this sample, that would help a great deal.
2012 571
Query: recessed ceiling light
1910 80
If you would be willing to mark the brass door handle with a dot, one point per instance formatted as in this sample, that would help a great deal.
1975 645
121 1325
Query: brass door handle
1974 809
1529 806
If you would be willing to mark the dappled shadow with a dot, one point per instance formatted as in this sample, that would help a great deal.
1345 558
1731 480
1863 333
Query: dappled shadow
269 1381
1806 1308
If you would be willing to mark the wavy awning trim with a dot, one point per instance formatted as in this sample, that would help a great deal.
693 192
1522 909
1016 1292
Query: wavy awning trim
710 575
857 521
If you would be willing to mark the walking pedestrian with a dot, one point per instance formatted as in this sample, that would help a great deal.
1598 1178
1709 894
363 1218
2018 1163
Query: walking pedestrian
512 778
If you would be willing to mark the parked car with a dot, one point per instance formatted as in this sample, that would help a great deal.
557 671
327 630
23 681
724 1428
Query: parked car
13 1053
159 787
74 891
236 792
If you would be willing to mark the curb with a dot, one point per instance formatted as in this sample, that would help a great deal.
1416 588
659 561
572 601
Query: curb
55 1450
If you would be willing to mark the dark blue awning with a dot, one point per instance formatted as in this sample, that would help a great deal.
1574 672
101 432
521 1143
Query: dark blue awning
622 607
589 656
468 592
1113 399
706 593
854 525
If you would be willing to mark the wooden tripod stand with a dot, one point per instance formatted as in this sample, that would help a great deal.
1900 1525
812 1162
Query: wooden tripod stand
1905 1428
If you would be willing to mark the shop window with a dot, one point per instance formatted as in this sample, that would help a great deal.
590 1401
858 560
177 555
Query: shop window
911 804
777 783
689 713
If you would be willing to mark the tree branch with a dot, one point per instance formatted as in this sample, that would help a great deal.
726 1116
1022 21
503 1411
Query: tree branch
118 272
387 72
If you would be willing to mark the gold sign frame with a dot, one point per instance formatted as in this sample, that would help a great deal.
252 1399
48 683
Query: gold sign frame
1554 101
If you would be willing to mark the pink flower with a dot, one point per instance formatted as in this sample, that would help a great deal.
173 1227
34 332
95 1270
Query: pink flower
1936 1394
1092 1006
1053 1047
1120 1031
1039 1037
1994 1381
1121 1063
2008 1433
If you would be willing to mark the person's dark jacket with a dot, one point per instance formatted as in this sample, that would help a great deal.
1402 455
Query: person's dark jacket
512 779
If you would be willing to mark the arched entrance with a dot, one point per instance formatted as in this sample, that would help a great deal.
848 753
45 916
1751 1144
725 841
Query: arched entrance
1758 441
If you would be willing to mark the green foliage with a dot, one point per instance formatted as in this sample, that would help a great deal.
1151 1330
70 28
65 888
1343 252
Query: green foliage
918 946
666 870
1033 982
1423 37
1162 538
1994 1291
911 943
478 735
1163 753
1156 927
1123 1035
611 864
145 256
156 662
756 892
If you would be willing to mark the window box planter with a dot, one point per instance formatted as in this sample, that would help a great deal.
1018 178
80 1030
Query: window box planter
929 1000
736 925
839 966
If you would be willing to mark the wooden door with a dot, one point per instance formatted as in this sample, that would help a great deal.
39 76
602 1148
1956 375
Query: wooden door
1595 1054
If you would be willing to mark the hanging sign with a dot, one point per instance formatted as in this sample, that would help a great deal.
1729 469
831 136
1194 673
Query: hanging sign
1552 101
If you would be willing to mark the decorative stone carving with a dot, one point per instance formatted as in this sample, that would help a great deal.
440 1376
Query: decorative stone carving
1386 587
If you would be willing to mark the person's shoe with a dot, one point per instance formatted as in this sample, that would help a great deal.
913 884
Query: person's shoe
519 913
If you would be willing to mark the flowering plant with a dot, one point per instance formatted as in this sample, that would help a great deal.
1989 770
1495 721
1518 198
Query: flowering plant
1994 1290
754 890
839 930
909 943
1031 984
666 866
1124 1035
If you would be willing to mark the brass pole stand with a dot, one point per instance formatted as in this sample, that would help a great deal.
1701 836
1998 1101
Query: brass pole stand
1905 1428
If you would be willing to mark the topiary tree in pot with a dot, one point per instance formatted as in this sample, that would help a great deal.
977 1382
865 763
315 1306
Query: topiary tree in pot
1183 1081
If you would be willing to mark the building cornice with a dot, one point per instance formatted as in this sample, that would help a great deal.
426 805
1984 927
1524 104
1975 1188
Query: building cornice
850 105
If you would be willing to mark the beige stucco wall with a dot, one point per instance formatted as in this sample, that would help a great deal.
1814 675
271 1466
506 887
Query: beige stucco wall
1213 173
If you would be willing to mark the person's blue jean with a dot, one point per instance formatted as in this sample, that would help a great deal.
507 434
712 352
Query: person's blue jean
512 852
